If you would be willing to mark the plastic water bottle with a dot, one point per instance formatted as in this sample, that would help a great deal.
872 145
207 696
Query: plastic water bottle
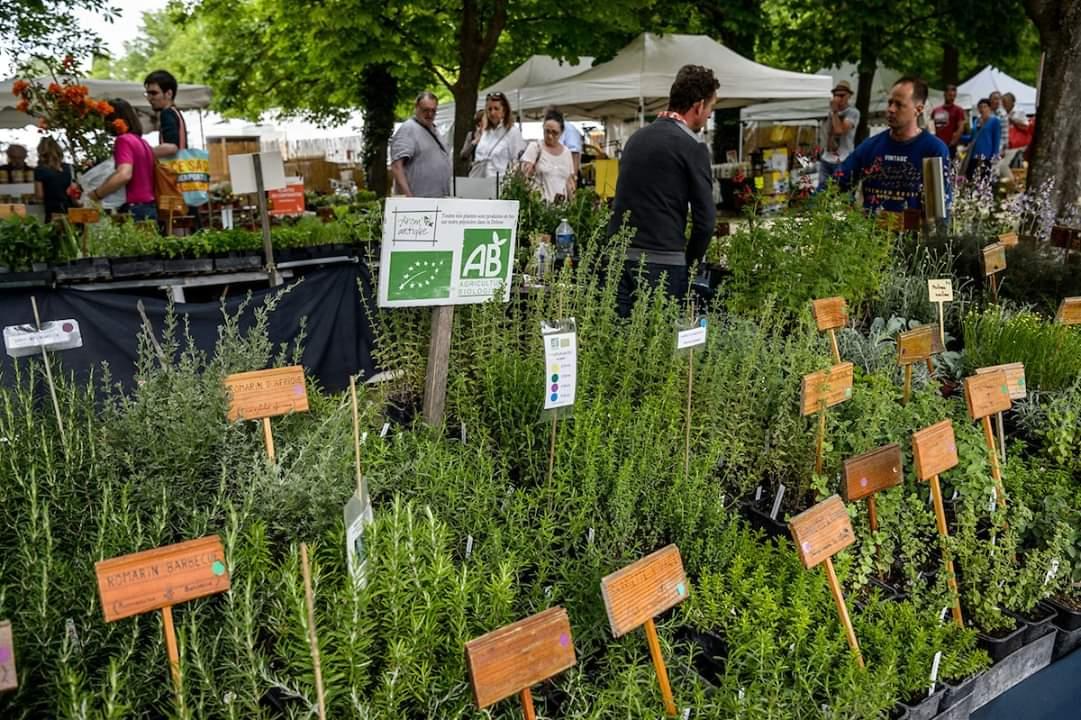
564 239
542 256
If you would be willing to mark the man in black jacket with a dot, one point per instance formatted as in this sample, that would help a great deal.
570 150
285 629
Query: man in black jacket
665 169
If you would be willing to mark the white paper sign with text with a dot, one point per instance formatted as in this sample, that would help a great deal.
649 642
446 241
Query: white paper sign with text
560 364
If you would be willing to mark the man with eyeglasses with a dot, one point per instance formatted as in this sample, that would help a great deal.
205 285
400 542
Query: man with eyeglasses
160 89
419 161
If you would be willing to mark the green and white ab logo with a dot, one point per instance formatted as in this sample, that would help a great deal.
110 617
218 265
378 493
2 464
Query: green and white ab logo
485 254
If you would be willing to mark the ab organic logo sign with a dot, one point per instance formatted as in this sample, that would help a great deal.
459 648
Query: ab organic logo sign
485 254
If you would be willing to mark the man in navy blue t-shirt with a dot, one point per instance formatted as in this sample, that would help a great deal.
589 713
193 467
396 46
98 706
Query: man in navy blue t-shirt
890 165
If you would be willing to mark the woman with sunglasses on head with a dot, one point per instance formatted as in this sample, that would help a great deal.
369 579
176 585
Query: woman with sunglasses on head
550 163
499 145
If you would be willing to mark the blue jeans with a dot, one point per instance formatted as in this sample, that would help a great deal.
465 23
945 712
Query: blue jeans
142 211
825 172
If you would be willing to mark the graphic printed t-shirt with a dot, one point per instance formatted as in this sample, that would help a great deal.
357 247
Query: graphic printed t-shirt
947 119
892 171
132 150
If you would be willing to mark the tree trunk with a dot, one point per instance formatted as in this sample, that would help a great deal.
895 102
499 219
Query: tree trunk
1058 124
378 96
951 64
867 67
477 39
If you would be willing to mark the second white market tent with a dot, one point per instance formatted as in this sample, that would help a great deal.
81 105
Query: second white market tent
990 79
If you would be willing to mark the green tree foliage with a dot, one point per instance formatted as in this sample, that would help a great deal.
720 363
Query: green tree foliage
46 28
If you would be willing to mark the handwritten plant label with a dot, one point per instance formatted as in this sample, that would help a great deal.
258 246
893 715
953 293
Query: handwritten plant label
916 345
831 387
1069 311
987 394
934 450
940 290
994 258
560 364
830 313
266 393
169 575
23 340
358 515
873 472
644 589
506 661
692 337
1015 378
9 678
821 531
83 216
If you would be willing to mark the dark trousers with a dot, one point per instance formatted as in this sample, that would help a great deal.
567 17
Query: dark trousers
649 275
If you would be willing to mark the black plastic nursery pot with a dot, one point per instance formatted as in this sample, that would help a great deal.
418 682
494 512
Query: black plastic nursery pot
923 708
33 278
1069 614
188 266
1066 642
708 653
1037 622
957 693
236 261
83 270
998 647
139 266
760 520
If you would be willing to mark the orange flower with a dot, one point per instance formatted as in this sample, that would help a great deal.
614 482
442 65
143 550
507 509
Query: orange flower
23 106
105 109
54 89
19 87
120 126
69 61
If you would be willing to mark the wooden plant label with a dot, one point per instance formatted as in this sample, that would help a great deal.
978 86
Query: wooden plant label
872 472
831 387
644 589
916 345
1069 311
508 660
266 393
987 394
941 290
1015 378
165 576
1008 240
934 450
822 531
830 313
994 258
9 678
83 216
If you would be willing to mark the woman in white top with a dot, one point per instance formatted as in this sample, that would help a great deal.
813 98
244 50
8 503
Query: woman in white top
498 147
551 164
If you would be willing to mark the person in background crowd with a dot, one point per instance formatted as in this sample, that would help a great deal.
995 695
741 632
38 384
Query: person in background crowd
664 172
134 164
986 146
890 164
949 120
1018 121
572 138
160 90
550 163
419 160
500 145
1003 119
16 158
53 179
469 148
837 134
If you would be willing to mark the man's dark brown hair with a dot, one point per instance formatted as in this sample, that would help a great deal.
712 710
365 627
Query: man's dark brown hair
692 84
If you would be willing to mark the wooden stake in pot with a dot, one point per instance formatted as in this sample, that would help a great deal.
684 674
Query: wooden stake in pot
687 340
313 638
821 532
821 390
994 262
912 347
986 395
637 593
83 218
49 376
934 451
830 314
263 394
9 677
510 660
1015 381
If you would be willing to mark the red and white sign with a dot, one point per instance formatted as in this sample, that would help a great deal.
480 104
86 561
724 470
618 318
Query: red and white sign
289 200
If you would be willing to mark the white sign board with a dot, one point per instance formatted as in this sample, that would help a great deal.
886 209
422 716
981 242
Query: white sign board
23 340
692 337
242 172
446 251
940 290
560 364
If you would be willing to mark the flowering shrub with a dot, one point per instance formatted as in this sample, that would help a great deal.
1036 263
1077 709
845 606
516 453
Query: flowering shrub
65 106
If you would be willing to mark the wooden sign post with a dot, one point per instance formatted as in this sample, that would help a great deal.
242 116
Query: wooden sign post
636 594
994 262
313 638
934 451
83 218
914 346
160 578
821 390
830 314
820 532
9 678
986 395
1015 382
263 394
1069 311
870 473
510 660
687 340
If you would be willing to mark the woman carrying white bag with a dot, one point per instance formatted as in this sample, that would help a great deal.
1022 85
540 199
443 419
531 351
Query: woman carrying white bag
134 172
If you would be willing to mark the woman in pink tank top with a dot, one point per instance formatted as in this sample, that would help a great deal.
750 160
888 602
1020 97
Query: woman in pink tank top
134 163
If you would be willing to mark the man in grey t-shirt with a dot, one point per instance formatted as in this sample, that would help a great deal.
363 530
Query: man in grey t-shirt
419 160
837 135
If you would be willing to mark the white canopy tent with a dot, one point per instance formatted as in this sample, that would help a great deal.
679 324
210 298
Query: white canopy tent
188 97
637 80
986 81
813 109
537 70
